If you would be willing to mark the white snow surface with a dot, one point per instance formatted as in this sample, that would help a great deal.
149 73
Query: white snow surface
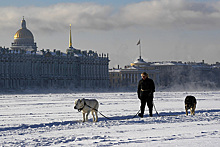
50 120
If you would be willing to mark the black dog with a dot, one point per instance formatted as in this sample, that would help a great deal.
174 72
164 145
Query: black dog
190 103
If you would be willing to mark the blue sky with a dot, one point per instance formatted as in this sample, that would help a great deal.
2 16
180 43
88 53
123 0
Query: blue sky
170 30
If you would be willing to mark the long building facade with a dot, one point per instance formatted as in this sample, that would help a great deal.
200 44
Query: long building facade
23 67
167 75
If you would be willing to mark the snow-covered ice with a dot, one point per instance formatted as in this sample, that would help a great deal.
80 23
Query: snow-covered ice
50 120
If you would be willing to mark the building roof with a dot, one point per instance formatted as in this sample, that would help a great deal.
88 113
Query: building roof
23 33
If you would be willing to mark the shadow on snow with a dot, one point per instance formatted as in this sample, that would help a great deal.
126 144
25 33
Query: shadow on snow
183 113
129 117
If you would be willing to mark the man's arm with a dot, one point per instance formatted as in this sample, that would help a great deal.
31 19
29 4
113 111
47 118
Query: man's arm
139 89
153 86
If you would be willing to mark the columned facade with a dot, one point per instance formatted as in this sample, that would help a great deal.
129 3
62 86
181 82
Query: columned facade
129 76
52 69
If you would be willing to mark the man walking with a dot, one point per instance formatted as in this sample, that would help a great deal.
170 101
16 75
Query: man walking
146 89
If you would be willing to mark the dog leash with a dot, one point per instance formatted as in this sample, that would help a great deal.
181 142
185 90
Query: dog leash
155 109
119 119
110 118
127 118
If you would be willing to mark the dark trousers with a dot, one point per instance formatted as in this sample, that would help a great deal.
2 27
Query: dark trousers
149 104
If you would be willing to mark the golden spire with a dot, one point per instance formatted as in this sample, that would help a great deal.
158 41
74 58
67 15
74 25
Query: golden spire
70 41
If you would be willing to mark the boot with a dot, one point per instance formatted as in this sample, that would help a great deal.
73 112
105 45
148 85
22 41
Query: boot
141 115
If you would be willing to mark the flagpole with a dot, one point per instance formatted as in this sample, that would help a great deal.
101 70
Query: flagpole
139 43
140 49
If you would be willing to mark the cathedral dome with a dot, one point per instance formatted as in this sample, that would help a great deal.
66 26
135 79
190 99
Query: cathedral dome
24 39
23 34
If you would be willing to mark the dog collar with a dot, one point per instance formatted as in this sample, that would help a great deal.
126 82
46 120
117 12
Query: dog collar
80 109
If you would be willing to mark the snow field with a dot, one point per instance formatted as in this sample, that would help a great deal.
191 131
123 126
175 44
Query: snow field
49 120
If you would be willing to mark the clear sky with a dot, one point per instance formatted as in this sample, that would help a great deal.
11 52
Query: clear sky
170 30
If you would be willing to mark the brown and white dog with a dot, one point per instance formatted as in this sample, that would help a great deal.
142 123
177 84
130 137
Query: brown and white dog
87 106
190 103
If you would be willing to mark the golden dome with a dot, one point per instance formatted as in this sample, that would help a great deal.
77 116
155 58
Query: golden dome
24 34
24 39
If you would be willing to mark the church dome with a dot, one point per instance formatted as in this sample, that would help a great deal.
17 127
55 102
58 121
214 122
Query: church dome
24 39
23 33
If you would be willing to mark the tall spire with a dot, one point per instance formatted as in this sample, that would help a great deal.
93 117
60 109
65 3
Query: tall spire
70 39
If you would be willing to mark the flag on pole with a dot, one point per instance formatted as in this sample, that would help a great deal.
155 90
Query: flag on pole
139 42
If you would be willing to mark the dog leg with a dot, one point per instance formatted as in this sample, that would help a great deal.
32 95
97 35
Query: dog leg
87 115
186 110
93 116
194 108
83 117
191 111
96 116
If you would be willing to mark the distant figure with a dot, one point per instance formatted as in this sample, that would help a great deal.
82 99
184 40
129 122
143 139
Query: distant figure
146 89
190 103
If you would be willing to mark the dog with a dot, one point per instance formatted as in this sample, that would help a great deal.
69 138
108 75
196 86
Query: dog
87 106
190 103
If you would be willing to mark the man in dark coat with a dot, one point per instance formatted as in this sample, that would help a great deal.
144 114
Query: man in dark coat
146 89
